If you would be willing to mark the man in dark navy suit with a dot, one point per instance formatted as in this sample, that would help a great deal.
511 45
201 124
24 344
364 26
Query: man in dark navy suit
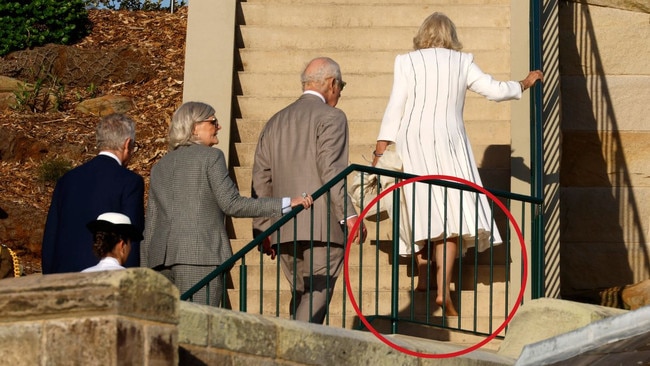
103 184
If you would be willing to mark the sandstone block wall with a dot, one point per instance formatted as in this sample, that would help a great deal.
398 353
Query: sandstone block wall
107 318
214 336
605 169
135 317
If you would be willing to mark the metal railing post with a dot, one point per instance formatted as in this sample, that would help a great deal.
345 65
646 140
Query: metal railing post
394 295
537 161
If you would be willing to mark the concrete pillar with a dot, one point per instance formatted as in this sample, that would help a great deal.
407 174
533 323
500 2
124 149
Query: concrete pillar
521 139
520 135
209 51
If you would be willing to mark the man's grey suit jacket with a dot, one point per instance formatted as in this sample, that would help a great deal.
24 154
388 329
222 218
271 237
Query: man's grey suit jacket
301 148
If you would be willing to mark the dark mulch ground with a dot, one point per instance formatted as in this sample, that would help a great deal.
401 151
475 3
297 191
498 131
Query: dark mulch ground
68 134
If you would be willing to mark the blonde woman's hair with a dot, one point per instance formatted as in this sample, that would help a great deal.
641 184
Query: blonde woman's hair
437 31
183 121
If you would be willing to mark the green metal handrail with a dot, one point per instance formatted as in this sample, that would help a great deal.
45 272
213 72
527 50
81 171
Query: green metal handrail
537 154
224 267
324 189
394 317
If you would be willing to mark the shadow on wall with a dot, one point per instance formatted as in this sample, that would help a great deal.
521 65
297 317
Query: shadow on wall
600 221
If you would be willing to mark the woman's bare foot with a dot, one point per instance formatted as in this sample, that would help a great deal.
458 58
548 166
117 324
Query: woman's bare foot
450 310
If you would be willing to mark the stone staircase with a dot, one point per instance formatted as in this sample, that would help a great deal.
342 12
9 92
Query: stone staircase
276 38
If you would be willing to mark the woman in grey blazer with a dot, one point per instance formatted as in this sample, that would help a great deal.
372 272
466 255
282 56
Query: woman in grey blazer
190 193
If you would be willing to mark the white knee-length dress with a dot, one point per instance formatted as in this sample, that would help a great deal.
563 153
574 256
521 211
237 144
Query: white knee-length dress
424 118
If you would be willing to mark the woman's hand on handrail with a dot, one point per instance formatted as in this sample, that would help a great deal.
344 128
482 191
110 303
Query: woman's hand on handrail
305 200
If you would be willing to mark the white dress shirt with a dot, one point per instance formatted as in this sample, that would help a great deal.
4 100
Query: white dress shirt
106 264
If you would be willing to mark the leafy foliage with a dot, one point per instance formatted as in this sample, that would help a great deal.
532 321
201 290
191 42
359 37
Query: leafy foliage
30 23
51 170
45 94
135 4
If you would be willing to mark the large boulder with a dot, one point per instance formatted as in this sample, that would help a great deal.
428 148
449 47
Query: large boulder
16 146
546 318
106 105
20 95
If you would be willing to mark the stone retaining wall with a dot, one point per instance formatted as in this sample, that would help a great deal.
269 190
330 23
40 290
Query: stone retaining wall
135 317
105 318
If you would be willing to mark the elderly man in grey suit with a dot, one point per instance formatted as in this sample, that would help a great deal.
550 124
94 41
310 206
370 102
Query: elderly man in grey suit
301 148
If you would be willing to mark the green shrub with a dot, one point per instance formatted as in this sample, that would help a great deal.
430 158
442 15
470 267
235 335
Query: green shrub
30 23
44 95
135 4
51 170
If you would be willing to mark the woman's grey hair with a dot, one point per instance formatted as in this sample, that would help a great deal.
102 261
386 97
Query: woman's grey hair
318 76
186 116
438 31
113 130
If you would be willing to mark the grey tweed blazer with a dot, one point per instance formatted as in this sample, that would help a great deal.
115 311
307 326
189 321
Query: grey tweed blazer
189 195
301 148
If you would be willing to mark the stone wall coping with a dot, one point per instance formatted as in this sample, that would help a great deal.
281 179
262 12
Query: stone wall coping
289 341
138 292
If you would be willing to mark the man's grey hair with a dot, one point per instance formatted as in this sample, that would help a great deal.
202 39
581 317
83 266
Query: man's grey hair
113 130
329 69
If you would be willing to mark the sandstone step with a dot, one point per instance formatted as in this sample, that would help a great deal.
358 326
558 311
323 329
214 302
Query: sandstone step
496 132
359 154
371 280
372 253
376 270
353 15
240 231
340 2
359 132
366 108
242 178
287 85
409 330
369 303
373 246
356 39
293 61
248 130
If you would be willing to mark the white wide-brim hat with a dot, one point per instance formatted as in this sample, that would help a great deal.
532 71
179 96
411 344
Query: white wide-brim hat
114 222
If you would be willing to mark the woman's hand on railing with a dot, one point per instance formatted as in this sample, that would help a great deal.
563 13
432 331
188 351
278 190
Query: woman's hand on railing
305 200
531 79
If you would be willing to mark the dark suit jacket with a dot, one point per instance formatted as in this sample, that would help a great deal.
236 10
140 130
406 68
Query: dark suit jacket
301 148
100 185
189 195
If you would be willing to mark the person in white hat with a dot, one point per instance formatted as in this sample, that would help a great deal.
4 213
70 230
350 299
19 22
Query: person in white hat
112 236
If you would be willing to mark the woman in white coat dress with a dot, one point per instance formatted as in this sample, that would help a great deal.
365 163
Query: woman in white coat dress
424 118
